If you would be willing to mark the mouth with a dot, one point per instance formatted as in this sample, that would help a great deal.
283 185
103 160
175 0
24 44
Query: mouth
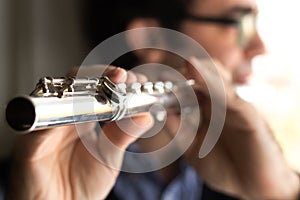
243 79
243 74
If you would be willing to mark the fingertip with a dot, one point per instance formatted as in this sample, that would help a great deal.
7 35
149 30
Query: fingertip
122 75
117 75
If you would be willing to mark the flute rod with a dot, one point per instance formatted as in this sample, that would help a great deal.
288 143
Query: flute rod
58 102
25 114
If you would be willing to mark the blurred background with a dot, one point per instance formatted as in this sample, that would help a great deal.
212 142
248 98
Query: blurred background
37 38
46 38
277 72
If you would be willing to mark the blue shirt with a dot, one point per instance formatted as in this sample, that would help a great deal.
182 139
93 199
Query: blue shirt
148 186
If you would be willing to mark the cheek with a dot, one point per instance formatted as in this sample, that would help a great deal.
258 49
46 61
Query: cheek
229 56
221 44
225 51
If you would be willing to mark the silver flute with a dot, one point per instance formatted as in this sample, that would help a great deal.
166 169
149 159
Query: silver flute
71 100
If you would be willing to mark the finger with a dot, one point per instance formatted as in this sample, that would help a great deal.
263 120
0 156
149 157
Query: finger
124 132
114 139
141 78
116 74
39 144
131 78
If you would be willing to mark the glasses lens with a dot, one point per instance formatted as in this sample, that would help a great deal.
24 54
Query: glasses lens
247 29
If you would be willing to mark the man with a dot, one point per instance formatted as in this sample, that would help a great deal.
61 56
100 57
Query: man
246 163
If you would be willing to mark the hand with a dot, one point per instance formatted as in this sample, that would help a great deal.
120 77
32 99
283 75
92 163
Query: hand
246 161
54 164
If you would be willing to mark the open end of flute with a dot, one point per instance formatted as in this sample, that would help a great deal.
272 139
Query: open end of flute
20 114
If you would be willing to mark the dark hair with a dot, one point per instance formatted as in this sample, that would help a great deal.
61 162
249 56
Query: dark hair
105 18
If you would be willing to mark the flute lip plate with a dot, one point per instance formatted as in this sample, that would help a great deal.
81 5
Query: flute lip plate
20 114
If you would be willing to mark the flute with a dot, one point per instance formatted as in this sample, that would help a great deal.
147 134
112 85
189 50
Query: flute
70 100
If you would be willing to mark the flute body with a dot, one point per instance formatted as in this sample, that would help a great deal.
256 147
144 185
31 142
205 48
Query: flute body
62 101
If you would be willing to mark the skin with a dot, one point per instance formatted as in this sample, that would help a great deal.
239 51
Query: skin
253 166
231 56
53 164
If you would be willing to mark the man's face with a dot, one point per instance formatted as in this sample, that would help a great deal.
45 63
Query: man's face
226 41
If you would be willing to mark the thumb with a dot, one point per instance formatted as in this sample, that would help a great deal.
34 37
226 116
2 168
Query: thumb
117 136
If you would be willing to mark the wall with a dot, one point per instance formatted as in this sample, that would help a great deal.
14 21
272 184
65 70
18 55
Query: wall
37 38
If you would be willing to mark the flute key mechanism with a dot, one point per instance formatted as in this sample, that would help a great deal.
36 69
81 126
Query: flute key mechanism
72 100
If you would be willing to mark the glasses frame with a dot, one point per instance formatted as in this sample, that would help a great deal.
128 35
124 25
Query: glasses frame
246 25
217 20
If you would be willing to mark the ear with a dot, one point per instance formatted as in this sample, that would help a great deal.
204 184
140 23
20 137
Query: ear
144 37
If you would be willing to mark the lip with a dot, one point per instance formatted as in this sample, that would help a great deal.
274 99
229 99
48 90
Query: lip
243 73
243 79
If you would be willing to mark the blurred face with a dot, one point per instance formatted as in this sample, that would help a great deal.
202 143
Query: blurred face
228 34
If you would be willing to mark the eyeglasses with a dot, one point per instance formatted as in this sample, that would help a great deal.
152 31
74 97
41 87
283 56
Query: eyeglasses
246 25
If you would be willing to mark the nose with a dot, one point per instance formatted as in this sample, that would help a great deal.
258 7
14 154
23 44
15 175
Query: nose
255 47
